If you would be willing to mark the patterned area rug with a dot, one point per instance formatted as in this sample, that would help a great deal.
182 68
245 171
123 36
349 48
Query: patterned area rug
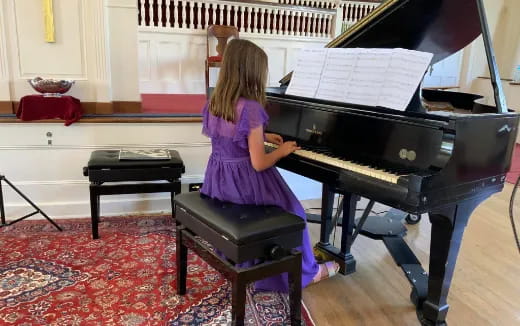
125 278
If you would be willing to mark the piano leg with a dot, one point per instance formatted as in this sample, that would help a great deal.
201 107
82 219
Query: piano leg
446 237
324 248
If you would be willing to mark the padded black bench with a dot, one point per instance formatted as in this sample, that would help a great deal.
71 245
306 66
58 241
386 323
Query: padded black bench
242 233
104 166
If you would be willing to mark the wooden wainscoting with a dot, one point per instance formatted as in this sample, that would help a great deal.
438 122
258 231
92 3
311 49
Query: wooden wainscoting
6 107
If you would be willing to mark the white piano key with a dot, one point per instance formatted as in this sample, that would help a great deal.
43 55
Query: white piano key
346 165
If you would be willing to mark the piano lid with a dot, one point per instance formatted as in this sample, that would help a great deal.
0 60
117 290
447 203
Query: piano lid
441 27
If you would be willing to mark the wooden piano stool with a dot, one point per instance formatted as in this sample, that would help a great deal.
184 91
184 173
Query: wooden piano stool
105 167
241 233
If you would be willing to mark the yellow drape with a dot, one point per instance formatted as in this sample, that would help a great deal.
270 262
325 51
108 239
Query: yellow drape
48 20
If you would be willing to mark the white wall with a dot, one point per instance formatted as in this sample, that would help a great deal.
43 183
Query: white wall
173 61
51 175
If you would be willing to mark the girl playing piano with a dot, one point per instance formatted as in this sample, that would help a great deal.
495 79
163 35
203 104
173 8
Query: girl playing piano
239 170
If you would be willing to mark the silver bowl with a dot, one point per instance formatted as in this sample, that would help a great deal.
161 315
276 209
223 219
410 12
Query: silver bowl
51 87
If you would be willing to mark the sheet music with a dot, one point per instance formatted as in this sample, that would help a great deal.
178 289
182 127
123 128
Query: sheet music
373 77
403 76
307 73
368 77
337 71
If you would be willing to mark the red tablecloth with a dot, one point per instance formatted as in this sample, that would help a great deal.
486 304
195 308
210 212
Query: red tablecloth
38 107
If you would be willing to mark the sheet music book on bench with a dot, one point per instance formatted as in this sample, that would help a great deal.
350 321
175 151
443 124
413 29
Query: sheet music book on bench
373 77
145 154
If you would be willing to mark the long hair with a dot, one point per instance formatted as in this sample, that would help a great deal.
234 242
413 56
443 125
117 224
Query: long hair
243 74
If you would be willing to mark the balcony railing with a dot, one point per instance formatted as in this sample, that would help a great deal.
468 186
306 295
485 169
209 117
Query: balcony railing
248 17
300 18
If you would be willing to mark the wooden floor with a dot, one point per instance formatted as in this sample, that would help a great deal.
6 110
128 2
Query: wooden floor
485 289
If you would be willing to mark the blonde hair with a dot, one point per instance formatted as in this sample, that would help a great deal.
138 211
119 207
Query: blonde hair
243 74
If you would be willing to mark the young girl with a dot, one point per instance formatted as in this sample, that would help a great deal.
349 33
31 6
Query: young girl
239 170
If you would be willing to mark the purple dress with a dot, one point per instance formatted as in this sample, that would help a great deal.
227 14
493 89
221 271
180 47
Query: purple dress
231 177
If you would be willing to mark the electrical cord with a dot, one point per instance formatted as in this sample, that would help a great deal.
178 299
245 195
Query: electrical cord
511 215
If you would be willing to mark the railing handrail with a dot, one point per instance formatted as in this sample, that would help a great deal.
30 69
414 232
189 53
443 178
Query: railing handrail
263 4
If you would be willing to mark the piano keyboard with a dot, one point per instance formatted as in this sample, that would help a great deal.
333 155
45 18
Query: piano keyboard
346 165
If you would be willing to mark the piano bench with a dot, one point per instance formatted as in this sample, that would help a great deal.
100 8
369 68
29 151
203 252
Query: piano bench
105 172
240 233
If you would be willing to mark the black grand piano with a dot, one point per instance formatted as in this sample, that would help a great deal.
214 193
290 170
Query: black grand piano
444 163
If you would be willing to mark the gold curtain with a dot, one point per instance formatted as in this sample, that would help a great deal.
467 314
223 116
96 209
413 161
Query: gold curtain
48 20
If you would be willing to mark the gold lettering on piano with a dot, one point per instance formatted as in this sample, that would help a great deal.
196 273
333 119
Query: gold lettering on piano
314 131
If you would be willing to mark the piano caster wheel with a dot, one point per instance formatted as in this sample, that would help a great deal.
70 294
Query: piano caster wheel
425 322
412 219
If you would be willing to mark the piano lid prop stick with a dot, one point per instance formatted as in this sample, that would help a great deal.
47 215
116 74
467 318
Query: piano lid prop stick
500 98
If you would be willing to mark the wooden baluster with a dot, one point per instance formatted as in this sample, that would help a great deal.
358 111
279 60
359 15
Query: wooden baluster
143 14
297 15
199 15
313 24
242 13
281 12
260 28
214 15
268 29
167 13
294 27
275 21
182 9
288 21
319 26
235 16
206 15
228 15
316 25
250 24
221 14
308 24
188 21
254 13
193 14
329 26
304 25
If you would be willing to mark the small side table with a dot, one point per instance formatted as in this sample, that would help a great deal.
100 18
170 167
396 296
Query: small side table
105 166
38 107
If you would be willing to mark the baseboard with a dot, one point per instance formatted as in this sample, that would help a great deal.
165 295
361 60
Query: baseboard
78 203
126 107
6 107
110 206
88 107
111 107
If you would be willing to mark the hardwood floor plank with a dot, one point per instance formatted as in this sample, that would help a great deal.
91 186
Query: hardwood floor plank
485 288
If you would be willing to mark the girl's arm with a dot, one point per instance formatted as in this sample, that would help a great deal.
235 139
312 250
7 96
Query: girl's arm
259 158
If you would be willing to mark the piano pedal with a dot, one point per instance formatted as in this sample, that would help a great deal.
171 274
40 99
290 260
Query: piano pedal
390 225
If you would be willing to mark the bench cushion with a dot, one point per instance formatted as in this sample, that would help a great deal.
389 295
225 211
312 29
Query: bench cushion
240 224
109 159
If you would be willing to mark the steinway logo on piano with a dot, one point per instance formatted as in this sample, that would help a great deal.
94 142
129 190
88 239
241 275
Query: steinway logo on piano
314 131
